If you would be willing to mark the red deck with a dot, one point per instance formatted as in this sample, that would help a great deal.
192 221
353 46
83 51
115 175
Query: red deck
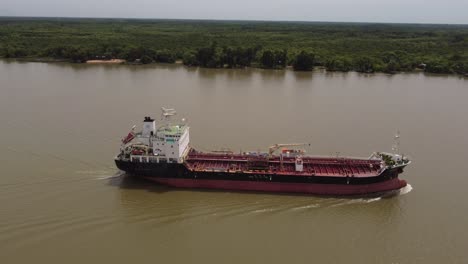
313 166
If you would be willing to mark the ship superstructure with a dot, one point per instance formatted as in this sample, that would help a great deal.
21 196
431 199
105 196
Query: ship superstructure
166 143
162 153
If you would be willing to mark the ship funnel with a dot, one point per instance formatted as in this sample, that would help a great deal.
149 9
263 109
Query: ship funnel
149 127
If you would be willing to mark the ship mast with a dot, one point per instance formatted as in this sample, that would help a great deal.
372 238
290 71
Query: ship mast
396 145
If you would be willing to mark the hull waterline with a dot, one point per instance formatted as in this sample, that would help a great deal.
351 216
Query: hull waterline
279 187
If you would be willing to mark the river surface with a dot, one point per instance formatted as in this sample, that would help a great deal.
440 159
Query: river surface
63 201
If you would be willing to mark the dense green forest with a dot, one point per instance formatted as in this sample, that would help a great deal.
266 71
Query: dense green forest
363 47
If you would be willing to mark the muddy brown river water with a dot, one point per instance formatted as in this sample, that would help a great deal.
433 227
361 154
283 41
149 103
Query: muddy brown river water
63 201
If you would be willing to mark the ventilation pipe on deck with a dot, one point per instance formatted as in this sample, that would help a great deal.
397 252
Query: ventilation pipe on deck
299 164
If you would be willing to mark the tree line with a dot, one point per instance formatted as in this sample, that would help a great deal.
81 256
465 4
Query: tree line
238 57
303 46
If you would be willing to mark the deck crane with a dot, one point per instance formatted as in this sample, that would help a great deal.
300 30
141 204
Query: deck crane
275 147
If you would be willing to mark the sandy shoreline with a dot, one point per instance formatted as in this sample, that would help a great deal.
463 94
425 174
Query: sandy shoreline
113 61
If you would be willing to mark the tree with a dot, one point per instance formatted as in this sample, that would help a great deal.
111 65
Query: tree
364 64
204 56
268 59
190 59
438 66
210 57
76 54
146 59
248 56
164 56
14 52
229 57
274 59
388 57
461 67
391 67
339 64
304 61
238 57
55 52
281 58
134 53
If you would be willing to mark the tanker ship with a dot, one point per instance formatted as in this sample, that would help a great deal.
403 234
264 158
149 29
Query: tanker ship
162 153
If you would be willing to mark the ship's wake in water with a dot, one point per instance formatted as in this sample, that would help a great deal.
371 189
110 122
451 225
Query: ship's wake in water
408 188
342 202
101 174
305 207
105 177
366 200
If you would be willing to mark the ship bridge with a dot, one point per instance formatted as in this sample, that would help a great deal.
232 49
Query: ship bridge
167 141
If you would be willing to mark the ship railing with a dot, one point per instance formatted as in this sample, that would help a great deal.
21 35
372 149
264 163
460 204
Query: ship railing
322 159
217 158
365 164
147 159
342 162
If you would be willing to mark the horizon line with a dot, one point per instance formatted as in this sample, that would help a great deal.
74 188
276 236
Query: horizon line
233 20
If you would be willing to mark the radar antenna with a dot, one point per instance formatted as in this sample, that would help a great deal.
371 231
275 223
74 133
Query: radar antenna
167 113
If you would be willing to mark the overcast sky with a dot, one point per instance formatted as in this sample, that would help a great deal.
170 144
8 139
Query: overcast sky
400 11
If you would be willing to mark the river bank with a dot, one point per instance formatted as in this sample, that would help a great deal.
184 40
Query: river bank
362 47
111 61
180 62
